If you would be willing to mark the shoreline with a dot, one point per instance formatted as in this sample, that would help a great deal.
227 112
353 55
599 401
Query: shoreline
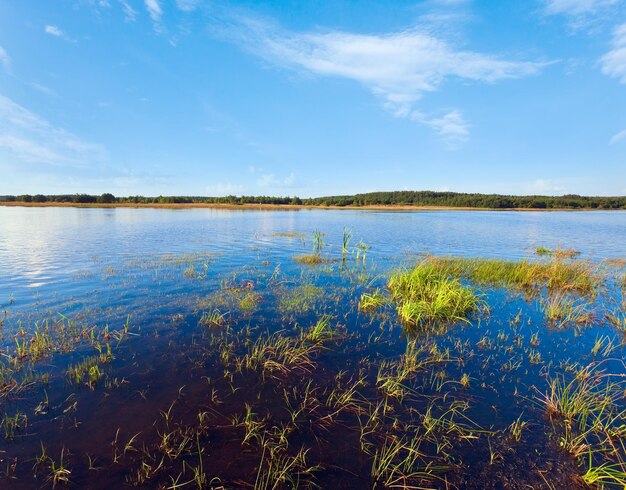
274 207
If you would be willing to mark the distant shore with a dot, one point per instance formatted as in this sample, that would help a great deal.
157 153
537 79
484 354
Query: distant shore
285 207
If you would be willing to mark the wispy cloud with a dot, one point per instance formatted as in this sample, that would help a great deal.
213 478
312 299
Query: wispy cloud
399 68
56 32
5 60
616 138
451 127
130 14
29 138
271 181
154 9
577 7
614 62
188 5
43 89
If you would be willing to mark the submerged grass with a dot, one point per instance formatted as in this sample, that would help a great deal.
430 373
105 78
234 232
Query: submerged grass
310 259
561 309
300 299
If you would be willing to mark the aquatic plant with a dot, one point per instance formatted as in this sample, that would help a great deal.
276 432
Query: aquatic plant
89 370
606 473
579 276
318 242
277 355
11 424
345 242
59 473
543 251
361 252
427 294
213 318
562 309
310 259
617 316
372 301
322 331
300 299
516 428
289 234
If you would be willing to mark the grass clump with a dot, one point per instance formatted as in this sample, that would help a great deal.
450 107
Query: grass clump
277 356
617 317
557 274
322 330
213 318
588 414
559 253
428 294
88 372
561 310
310 259
543 251
372 301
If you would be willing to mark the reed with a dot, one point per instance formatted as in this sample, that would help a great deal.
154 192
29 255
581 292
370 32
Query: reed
345 242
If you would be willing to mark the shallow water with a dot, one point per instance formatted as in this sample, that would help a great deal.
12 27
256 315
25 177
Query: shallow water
150 275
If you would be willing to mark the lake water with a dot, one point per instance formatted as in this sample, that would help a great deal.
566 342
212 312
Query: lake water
179 297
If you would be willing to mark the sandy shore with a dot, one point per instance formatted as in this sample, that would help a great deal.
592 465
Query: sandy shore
284 207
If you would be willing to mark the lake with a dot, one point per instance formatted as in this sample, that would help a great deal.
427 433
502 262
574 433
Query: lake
220 348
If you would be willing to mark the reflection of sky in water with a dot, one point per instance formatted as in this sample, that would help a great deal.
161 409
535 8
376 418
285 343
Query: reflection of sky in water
46 249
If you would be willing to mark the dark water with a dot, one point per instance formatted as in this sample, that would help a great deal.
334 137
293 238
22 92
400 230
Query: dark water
140 281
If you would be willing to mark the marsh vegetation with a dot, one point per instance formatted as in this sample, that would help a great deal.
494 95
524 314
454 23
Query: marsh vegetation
431 371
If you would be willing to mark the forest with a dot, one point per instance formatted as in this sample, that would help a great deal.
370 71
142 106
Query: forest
394 198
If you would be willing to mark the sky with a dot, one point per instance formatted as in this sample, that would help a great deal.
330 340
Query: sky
310 98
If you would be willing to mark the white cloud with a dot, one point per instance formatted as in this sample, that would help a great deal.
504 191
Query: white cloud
5 61
130 14
399 68
451 127
270 180
577 7
188 5
224 189
614 62
154 9
616 138
28 138
43 89
56 32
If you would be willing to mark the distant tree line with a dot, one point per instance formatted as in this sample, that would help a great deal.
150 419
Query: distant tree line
410 198
456 199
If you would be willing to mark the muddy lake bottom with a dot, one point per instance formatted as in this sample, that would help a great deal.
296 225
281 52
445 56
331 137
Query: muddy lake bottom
130 360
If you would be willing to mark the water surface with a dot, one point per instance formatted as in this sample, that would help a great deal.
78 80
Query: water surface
144 283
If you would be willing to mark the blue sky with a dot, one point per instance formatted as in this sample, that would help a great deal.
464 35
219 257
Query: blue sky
310 98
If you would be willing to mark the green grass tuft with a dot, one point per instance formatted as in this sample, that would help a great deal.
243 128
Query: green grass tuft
428 294
565 275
